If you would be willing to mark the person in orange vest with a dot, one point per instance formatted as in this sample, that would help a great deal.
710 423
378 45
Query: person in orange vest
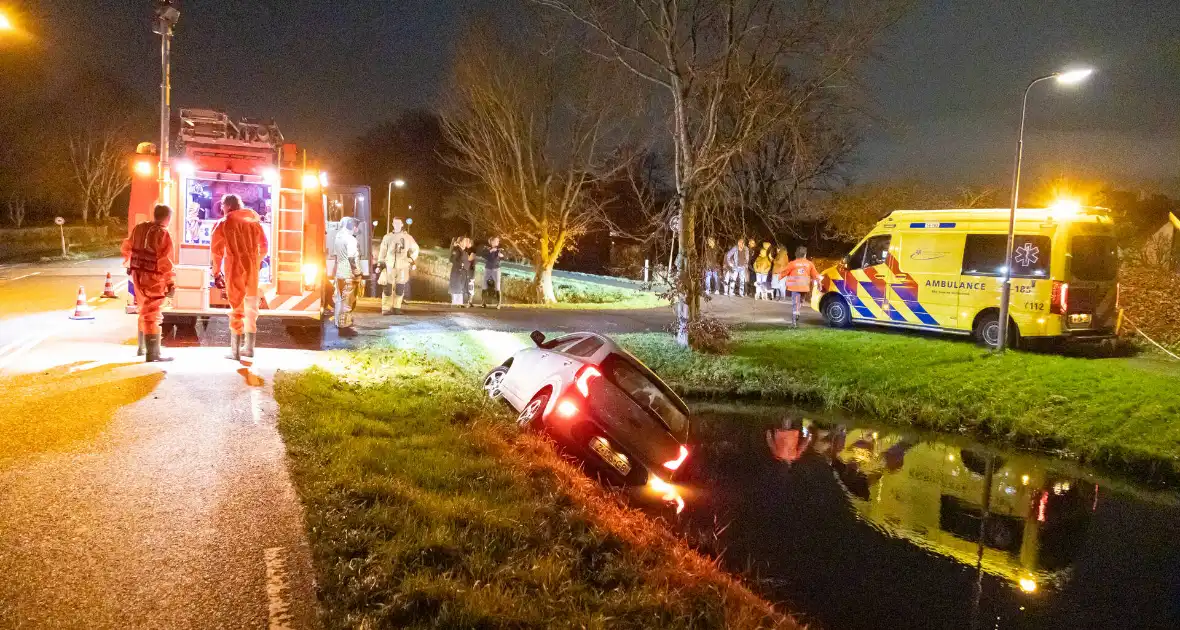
239 244
799 274
148 252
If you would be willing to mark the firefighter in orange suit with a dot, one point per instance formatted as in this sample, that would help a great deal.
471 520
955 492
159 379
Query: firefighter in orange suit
238 244
148 252
800 274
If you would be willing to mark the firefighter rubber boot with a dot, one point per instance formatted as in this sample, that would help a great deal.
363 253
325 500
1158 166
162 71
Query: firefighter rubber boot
142 346
248 346
235 346
153 348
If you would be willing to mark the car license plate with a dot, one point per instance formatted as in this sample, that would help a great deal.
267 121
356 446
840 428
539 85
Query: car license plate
618 461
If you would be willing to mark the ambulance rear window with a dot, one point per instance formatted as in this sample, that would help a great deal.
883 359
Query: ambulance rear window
1095 258
983 255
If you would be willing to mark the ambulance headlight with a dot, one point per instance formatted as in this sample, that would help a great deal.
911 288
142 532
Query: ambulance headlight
310 274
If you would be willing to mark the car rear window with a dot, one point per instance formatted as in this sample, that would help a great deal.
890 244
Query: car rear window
648 393
983 255
586 347
1095 258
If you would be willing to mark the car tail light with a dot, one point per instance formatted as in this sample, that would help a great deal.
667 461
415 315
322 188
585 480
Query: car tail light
675 463
1059 302
567 409
583 379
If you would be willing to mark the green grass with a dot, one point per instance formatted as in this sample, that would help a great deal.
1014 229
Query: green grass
1123 413
426 508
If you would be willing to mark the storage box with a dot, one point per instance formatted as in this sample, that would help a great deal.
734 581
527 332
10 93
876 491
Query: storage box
191 276
191 299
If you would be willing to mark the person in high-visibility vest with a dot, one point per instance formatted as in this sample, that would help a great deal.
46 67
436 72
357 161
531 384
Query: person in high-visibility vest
799 274
148 252
239 244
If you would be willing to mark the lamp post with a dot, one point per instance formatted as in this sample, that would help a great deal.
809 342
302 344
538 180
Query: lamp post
1066 77
400 183
167 15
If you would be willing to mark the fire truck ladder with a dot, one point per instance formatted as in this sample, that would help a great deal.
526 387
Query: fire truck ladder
289 250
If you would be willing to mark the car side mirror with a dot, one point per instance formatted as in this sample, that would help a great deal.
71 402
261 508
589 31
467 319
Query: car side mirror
538 337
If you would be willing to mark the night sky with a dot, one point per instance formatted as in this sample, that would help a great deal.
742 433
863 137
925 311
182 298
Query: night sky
945 89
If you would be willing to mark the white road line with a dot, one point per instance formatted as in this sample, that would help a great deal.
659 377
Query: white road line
277 589
27 275
28 344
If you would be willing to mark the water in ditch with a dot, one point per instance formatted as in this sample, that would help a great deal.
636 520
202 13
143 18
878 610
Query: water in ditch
855 525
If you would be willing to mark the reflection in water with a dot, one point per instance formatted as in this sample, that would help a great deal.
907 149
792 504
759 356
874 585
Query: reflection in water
1009 517
856 526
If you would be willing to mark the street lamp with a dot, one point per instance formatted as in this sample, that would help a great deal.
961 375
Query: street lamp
400 183
6 24
1065 77
167 15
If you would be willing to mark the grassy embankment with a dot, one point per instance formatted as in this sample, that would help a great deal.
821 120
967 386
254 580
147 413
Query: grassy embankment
1123 413
426 508
572 293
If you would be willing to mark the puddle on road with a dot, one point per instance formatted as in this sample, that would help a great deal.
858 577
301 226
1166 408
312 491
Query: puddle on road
856 526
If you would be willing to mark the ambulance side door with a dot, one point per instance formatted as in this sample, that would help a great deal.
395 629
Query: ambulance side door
868 274
925 270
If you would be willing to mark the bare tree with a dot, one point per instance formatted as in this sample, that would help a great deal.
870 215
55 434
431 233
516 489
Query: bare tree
729 72
17 205
534 129
99 168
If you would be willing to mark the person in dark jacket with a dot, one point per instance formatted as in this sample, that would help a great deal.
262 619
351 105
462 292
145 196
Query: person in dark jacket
461 263
491 272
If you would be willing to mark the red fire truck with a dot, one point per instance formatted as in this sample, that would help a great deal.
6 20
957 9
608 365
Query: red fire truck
298 208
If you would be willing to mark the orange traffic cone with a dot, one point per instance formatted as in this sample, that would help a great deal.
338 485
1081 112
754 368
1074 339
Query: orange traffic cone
107 290
81 310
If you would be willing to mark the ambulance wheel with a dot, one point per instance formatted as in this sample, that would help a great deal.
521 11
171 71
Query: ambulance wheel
836 311
987 331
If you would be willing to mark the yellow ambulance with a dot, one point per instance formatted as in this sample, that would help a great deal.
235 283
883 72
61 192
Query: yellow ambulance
941 270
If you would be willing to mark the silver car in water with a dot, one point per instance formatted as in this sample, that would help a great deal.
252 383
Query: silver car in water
586 390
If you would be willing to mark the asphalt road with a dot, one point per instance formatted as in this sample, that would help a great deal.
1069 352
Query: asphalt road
133 495
157 496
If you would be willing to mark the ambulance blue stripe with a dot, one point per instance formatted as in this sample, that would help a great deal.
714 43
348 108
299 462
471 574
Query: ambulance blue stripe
920 225
880 299
860 307
911 301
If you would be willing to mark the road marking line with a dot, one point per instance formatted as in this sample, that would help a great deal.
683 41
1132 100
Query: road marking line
278 608
27 275
29 344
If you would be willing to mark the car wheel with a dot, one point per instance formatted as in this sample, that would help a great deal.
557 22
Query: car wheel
494 381
987 332
836 312
531 414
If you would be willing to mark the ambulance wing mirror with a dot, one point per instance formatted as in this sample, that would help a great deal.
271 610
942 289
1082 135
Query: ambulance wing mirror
538 337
